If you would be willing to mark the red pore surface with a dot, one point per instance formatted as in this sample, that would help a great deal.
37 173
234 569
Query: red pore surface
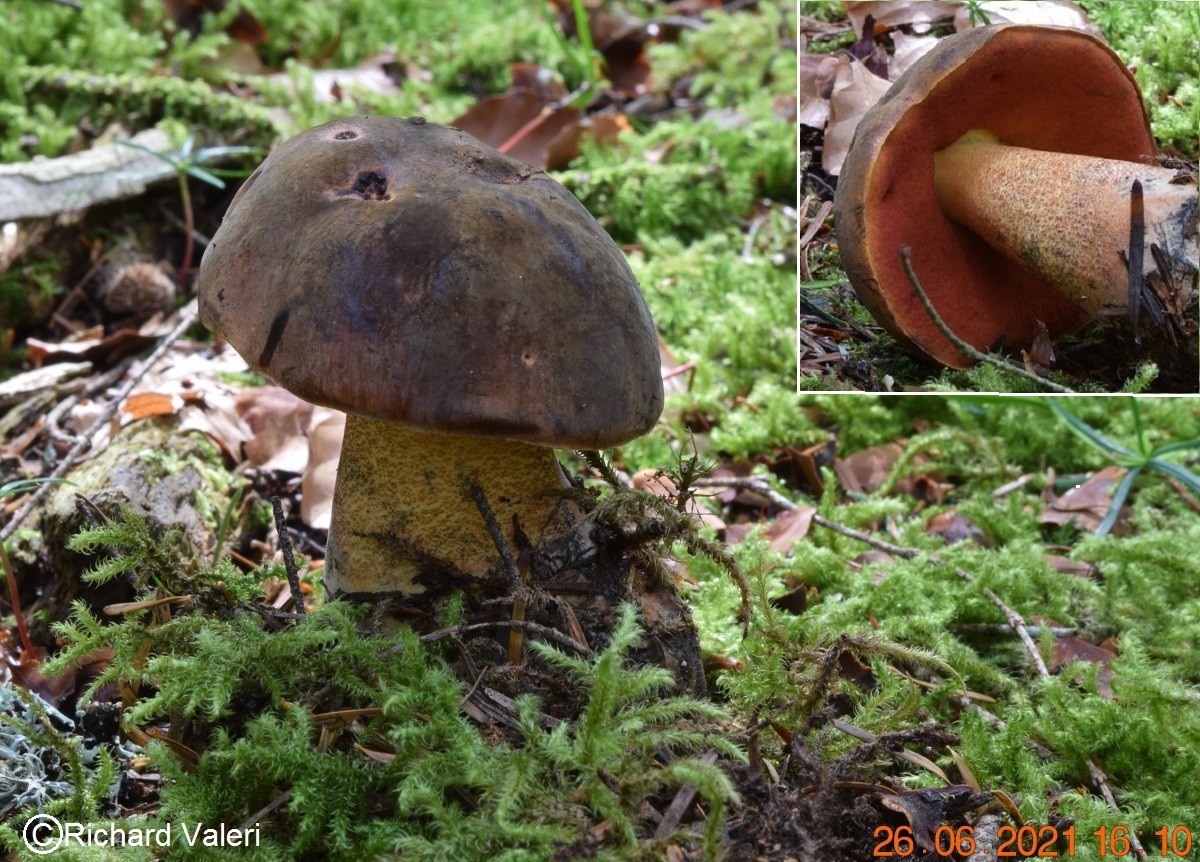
1045 88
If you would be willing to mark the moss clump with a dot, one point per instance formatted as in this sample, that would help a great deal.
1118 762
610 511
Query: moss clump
1158 41
1144 733
411 774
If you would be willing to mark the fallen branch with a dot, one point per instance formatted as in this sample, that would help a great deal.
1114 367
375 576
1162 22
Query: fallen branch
45 188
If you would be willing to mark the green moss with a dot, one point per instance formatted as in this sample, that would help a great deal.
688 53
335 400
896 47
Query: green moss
735 61
1146 739
465 48
1160 41
28 291
435 789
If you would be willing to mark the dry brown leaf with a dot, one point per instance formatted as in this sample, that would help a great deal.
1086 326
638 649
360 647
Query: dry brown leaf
855 90
209 403
496 119
801 468
889 15
907 50
866 470
874 558
294 436
924 809
735 534
816 86
94 346
189 15
384 757
1052 13
659 485
527 123
868 51
1085 505
789 528
565 146
145 405
795 600
954 528
538 79
324 447
1041 352
274 416
1067 566
1074 649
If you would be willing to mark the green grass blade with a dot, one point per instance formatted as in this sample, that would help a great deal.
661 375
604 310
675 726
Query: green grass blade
1118 501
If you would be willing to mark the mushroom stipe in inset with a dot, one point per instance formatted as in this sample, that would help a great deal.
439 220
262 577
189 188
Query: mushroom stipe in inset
1004 158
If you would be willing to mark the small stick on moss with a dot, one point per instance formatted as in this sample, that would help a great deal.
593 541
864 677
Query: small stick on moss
516 625
289 561
967 349
1001 631
14 599
682 802
281 799
516 636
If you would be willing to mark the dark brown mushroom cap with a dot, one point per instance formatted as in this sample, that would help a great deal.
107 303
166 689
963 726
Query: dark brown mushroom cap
405 271
1045 88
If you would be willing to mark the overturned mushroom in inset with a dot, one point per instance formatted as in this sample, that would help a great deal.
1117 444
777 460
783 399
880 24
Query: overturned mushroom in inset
462 308
1005 159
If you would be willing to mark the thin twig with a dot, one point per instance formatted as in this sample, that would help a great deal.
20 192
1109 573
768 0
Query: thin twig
964 347
14 599
517 635
289 561
186 319
281 799
999 630
679 806
522 625
199 238
1137 249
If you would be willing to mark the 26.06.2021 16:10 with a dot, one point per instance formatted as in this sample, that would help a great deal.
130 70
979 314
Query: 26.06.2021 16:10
1027 841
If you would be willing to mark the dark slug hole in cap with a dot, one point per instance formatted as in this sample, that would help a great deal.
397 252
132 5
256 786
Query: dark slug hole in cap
370 186
347 135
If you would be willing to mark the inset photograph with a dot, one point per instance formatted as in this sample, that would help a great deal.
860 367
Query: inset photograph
998 197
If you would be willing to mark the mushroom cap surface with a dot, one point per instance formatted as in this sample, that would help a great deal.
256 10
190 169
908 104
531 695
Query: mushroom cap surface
1044 88
405 271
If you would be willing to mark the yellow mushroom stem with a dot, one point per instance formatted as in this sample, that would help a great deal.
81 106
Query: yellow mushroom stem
1066 217
401 497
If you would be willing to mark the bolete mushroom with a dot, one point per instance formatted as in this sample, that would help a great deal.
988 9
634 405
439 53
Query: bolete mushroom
462 308
1005 159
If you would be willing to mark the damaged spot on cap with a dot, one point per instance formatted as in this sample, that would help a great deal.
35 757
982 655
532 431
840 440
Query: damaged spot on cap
370 186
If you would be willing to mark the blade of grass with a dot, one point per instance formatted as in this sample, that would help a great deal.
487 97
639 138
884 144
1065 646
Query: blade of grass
1118 500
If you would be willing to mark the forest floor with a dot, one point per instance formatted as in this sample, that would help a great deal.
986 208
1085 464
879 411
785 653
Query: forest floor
926 622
